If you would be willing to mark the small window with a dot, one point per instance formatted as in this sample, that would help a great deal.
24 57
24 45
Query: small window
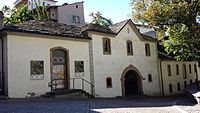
128 31
178 86
149 77
170 88
76 6
190 81
177 69
185 84
106 46
169 70
76 19
129 47
190 68
52 14
37 70
147 50
195 68
43 3
79 68
184 71
109 82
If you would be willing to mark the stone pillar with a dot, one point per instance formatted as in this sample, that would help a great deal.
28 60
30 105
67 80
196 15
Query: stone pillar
1 20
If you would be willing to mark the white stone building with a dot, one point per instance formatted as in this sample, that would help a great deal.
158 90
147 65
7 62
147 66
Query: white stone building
32 3
38 57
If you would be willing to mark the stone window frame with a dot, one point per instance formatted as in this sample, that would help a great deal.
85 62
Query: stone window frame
190 68
169 70
129 47
36 74
184 72
178 86
75 19
177 69
185 84
170 88
79 73
108 82
150 78
106 45
147 49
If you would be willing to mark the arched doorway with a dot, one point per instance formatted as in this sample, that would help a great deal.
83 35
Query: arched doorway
59 68
131 82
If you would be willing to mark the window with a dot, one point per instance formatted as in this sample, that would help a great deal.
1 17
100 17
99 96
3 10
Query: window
178 86
43 3
169 70
76 6
170 88
129 47
185 84
195 68
177 69
190 68
76 19
37 70
79 68
147 49
128 31
149 77
106 46
184 71
109 82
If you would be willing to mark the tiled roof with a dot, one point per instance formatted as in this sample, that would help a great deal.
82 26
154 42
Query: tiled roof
97 28
118 26
48 27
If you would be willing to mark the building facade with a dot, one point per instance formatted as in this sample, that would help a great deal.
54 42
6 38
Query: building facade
117 60
32 3
70 14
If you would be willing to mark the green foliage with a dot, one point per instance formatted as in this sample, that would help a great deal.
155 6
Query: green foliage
22 14
176 19
99 19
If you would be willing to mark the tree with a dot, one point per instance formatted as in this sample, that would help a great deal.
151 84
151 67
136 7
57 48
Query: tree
99 19
178 19
6 10
23 14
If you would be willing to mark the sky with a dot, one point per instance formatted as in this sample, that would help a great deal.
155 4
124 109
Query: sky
116 10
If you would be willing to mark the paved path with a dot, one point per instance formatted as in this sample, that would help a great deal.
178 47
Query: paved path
131 105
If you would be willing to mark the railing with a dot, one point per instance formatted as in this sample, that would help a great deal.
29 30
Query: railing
60 84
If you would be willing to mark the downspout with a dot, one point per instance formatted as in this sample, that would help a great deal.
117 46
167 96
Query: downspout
162 84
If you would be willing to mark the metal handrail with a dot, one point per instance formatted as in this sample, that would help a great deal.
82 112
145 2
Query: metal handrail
51 83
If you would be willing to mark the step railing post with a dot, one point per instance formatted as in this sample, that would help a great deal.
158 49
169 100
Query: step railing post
73 82
82 84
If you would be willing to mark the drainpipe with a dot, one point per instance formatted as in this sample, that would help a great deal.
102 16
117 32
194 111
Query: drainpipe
162 84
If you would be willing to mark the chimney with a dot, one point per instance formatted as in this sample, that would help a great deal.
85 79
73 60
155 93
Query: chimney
1 20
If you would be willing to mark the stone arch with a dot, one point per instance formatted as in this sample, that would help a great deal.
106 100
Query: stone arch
66 67
139 80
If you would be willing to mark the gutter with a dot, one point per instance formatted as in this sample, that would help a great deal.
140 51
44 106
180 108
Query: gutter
2 73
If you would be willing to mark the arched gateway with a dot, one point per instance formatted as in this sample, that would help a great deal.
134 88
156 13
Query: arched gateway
131 81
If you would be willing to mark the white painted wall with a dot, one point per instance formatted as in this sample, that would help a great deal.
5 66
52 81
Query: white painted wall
31 3
113 65
174 78
1 63
26 47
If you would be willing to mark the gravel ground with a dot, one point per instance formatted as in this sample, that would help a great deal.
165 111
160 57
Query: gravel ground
128 105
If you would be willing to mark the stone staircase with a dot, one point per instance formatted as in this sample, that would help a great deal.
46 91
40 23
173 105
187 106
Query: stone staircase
68 93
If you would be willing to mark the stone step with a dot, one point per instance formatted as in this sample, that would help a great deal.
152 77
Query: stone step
68 93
